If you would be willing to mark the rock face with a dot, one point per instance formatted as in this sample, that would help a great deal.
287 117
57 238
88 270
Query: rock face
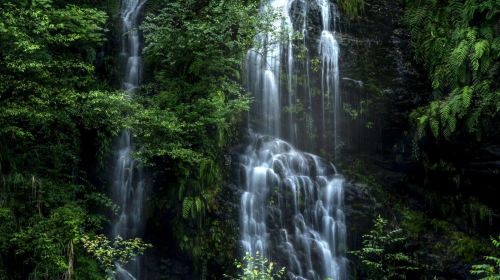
380 83
360 209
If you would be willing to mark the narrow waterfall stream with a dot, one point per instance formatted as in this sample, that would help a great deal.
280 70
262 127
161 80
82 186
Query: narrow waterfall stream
292 201
128 181
329 51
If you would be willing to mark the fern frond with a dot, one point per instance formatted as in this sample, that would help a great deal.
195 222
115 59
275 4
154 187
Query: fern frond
435 127
479 49
458 56
467 97
187 205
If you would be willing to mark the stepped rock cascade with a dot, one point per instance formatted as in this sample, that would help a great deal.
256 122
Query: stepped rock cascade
128 182
292 201
291 209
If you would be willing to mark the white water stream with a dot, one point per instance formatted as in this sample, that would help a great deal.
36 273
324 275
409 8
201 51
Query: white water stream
128 181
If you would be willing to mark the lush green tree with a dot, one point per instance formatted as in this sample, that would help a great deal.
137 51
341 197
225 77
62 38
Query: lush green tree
53 113
48 91
193 101
383 255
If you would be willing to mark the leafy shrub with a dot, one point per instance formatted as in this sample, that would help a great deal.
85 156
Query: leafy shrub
490 270
257 268
383 255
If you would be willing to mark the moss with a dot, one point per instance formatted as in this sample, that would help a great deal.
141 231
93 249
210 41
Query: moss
414 223
352 8
467 247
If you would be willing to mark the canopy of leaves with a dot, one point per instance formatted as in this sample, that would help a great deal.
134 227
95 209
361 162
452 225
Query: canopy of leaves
53 109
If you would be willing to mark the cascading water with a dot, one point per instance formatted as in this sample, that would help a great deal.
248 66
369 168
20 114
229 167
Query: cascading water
265 69
329 51
292 203
292 209
128 182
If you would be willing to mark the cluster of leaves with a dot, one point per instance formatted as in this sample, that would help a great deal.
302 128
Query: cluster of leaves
53 109
193 102
257 268
41 226
109 253
490 270
383 253
458 43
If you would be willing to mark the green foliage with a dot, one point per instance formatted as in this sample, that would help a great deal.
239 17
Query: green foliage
383 255
49 242
457 42
442 238
414 223
48 93
192 105
257 268
109 253
465 247
54 115
352 8
490 270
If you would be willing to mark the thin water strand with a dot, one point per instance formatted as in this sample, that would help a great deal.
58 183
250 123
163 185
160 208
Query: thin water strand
128 187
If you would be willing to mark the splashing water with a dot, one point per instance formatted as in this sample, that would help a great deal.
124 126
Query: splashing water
291 209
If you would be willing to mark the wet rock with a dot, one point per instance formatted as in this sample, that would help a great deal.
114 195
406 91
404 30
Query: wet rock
360 208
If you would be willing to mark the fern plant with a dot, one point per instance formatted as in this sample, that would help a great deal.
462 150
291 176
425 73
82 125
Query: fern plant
490 270
457 43
383 255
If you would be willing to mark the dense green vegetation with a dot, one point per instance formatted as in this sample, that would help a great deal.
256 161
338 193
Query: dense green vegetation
461 55
192 102
458 44
53 110
52 100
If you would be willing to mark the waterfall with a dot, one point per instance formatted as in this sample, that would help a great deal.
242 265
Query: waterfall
128 182
292 201
329 51
291 209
